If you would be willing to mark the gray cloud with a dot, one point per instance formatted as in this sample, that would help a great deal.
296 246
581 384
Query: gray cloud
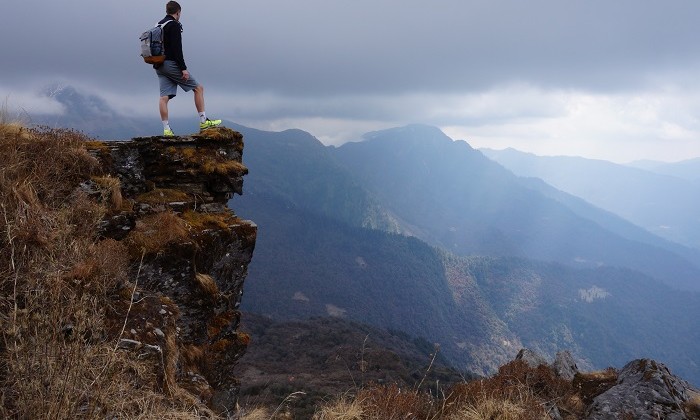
366 60
362 46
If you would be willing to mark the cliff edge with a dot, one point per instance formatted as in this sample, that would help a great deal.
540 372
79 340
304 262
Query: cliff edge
192 251
121 272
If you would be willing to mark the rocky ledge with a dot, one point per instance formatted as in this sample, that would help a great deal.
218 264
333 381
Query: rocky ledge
168 200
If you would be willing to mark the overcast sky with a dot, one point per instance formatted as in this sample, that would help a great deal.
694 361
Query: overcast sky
610 79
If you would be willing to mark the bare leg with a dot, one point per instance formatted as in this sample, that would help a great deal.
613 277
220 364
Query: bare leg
199 98
163 107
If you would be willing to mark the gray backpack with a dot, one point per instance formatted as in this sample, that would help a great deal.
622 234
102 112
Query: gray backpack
152 46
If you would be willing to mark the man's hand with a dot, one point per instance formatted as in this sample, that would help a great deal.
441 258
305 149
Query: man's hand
185 75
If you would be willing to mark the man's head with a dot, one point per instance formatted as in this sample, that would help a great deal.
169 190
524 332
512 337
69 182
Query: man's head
173 8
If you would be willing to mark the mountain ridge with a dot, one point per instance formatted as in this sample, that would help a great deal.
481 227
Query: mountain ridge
663 204
688 169
455 196
311 263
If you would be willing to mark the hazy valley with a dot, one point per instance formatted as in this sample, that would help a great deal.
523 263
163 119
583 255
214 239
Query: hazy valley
546 277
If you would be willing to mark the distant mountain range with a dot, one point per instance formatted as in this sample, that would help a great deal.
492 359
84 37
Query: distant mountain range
312 260
412 231
686 169
450 195
660 203
93 116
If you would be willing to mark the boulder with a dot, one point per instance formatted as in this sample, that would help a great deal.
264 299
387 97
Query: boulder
531 358
564 365
645 389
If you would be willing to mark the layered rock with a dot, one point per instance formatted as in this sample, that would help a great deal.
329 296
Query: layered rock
190 255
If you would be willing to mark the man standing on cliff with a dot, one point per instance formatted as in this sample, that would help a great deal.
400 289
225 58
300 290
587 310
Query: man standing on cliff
173 72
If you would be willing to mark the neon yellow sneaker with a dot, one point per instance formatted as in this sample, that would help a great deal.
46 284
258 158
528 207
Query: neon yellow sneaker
168 133
209 124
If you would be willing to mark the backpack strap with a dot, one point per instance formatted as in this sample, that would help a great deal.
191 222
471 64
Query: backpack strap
162 29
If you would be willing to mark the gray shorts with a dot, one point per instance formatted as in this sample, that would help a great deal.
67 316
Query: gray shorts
170 77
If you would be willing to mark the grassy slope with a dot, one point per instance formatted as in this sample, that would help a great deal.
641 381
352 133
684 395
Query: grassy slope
58 353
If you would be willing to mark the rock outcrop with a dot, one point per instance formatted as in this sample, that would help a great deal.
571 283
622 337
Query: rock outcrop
646 390
564 365
531 358
190 253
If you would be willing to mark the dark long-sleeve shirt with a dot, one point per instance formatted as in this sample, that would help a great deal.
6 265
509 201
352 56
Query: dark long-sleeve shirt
172 38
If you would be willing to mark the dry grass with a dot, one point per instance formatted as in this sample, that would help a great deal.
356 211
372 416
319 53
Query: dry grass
516 392
258 413
393 402
516 388
692 407
5 120
220 134
490 408
11 129
163 196
223 167
154 232
111 190
342 409
207 284
208 161
199 220
380 402
58 359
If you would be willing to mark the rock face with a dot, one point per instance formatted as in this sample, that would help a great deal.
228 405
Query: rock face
645 389
564 365
531 358
190 255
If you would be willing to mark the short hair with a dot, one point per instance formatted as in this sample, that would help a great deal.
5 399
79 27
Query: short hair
172 7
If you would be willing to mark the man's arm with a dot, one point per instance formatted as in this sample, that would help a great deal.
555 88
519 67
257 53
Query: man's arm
174 47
